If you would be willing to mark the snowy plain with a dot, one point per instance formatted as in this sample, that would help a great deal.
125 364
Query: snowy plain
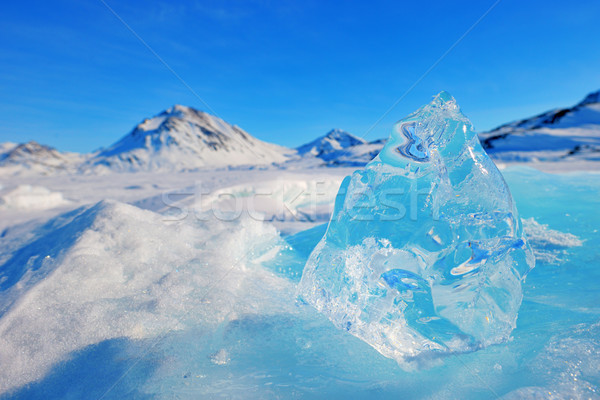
145 285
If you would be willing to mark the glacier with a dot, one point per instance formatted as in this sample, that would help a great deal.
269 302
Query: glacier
424 253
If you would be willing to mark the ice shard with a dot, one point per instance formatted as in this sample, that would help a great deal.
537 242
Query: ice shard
424 253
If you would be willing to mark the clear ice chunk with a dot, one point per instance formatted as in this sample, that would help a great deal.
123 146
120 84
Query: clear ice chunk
424 253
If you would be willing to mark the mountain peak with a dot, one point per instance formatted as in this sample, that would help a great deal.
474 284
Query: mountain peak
591 98
32 156
179 109
177 112
335 139
28 150
340 134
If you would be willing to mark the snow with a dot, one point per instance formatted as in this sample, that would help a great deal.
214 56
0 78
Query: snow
152 124
6 147
336 139
113 257
27 197
34 158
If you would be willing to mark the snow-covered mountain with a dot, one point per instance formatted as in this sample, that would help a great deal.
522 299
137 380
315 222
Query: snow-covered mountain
340 148
34 157
564 133
357 155
183 138
334 140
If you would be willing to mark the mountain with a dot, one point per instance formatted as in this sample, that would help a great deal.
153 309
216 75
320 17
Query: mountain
357 155
34 157
182 138
340 148
334 140
564 133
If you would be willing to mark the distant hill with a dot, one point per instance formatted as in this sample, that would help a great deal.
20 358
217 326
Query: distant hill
334 140
37 158
564 133
340 148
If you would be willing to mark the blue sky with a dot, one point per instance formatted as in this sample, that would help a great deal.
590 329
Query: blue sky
72 75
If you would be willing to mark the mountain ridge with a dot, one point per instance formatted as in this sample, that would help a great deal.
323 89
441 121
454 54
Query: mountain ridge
182 138
550 136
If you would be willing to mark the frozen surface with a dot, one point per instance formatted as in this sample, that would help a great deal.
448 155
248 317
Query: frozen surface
424 253
135 304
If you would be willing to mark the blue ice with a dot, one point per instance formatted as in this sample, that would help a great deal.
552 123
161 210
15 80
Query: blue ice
425 253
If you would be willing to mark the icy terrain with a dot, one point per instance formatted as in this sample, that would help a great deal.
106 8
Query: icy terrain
182 284
137 298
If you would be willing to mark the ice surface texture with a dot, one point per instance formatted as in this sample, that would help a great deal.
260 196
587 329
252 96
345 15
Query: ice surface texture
424 253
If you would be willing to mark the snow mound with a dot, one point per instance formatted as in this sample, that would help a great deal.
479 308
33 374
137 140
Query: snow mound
27 197
113 270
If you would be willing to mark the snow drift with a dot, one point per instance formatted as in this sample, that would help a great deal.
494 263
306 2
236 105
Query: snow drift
115 271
